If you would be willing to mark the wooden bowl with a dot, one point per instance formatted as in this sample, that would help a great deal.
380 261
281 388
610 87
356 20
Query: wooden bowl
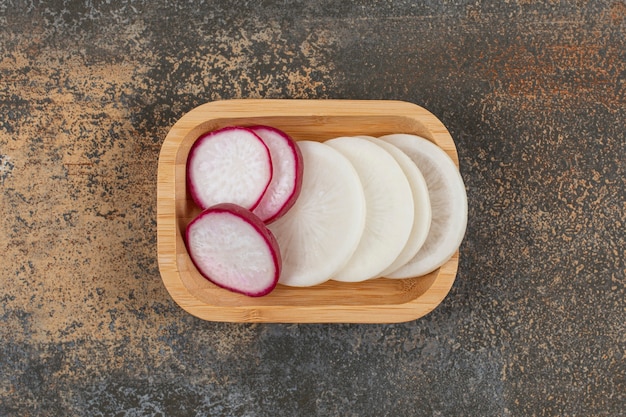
377 301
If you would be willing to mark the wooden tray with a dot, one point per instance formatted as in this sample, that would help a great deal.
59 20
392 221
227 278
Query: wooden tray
377 301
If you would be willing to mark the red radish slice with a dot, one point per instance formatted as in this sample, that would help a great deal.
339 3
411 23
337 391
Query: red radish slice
389 207
230 165
286 181
421 201
232 248
322 229
448 200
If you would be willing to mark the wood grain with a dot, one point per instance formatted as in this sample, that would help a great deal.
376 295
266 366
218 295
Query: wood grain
377 301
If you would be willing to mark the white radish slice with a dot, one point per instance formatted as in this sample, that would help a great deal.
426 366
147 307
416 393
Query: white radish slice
320 232
421 201
232 248
448 200
389 207
286 183
230 165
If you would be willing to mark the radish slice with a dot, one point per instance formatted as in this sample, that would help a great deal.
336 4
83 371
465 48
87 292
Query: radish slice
421 201
230 165
389 207
232 248
448 201
286 181
322 229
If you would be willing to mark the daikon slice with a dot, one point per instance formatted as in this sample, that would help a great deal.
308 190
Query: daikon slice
448 201
421 202
389 208
322 229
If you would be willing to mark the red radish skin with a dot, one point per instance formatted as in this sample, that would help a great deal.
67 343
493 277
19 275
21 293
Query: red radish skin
283 190
232 248
229 165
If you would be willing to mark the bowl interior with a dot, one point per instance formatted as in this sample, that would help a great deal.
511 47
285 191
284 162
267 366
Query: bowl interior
380 291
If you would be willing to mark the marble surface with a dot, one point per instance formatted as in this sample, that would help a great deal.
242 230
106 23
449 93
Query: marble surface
532 92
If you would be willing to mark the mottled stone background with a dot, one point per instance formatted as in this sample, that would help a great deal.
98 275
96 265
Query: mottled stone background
534 95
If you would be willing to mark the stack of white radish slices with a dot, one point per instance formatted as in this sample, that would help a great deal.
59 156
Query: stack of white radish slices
301 213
